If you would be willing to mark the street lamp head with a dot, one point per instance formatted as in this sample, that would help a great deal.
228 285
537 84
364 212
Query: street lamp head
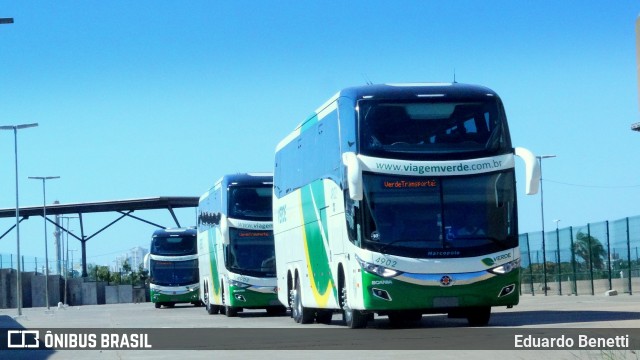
44 177
17 127
545 156
24 126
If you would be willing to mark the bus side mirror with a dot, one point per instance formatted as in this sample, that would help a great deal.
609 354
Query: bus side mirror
224 230
532 170
354 175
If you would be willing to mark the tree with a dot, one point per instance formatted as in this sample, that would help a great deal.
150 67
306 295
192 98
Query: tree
140 276
126 267
98 272
589 249
116 278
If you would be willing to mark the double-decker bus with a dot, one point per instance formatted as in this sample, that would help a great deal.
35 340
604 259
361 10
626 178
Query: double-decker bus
235 245
173 267
399 200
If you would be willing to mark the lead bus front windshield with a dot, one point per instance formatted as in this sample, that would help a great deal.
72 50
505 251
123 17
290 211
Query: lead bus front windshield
432 126
437 216
444 217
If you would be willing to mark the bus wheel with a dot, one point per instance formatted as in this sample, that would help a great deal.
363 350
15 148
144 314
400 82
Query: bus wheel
354 319
157 305
229 311
211 309
298 311
479 316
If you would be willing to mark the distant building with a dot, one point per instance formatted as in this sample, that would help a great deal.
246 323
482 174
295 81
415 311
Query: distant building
135 257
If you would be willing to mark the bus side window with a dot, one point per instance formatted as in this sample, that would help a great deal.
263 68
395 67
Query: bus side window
351 213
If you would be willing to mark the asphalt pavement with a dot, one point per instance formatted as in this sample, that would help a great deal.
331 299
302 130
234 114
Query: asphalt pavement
543 316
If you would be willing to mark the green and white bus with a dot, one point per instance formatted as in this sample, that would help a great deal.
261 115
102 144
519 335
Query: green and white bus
235 245
173 267
399 200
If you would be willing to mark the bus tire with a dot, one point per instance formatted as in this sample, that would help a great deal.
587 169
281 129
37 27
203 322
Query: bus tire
299 313
157 305
229 311
479 316
211 309
354 319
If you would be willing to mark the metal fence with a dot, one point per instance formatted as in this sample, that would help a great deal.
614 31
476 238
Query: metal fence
36 265
30 264
576 260
582 260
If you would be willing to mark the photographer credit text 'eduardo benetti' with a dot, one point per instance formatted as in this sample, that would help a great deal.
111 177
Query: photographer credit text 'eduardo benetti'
579 341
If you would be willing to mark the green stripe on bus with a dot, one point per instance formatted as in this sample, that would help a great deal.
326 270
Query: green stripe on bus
213 260
316 251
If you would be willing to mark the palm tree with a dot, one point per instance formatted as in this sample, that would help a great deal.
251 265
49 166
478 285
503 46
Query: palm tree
590 249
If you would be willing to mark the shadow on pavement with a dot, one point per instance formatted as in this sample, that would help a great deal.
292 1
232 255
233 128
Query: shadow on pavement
9 326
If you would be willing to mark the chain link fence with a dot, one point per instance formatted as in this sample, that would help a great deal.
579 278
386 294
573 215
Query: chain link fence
31 264
582 260
576 260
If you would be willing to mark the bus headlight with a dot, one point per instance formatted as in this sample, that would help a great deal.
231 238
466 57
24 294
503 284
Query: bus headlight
377 269
238 284
505 268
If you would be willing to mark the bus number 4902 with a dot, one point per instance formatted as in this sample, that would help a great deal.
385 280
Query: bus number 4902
386 262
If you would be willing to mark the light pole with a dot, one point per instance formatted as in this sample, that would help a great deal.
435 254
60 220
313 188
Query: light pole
544 254
15 129
71 268
65 255
557 221
46 244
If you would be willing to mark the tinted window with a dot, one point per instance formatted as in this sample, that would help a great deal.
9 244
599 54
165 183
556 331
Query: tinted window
439 217
433 126
174 245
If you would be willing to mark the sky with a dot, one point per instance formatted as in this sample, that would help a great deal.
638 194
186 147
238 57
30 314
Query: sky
161 98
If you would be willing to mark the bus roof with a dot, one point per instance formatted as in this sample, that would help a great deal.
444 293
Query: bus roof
173 231
395 91
245 178
256 178
415 90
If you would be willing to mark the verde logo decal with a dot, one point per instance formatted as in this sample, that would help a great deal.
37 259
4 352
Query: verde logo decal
488 261
492 261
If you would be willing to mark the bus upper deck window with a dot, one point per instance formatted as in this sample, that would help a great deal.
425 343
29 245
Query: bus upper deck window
388 124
